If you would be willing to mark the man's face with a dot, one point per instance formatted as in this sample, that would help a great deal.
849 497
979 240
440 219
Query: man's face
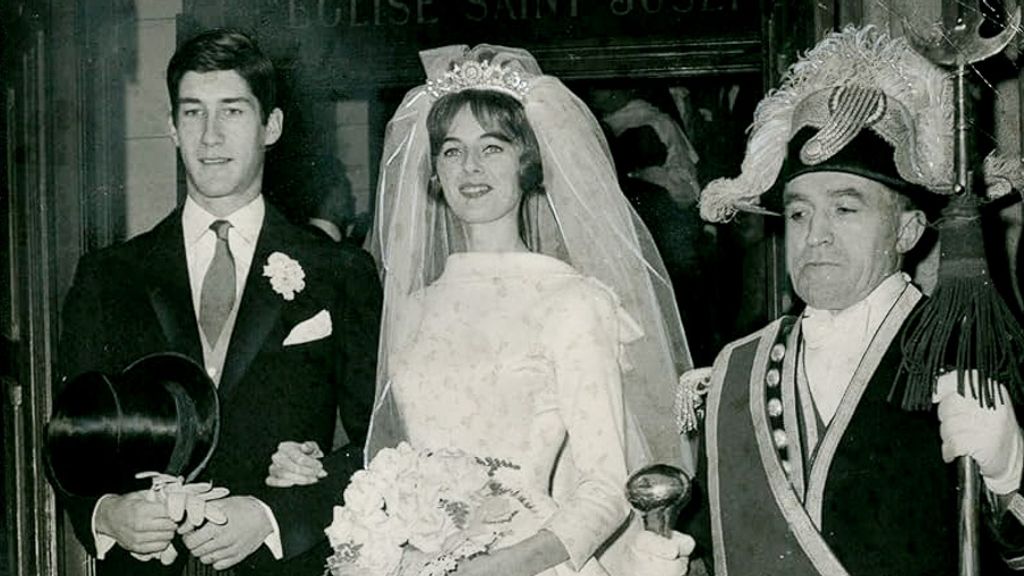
219 131
845 234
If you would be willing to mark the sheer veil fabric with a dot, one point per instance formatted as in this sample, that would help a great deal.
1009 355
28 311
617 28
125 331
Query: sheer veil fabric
582 219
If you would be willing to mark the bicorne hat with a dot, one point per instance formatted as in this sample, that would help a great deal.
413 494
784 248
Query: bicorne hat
858 102
159 414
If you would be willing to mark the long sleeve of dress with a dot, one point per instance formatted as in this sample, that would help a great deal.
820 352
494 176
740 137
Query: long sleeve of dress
582 339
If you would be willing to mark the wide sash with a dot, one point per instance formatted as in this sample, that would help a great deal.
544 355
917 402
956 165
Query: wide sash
762 522
826 451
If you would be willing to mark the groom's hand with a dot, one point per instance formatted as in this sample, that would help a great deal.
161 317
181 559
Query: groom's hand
296 464
224 545
137 524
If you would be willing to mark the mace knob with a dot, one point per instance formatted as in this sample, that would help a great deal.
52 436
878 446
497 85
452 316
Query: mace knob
658 492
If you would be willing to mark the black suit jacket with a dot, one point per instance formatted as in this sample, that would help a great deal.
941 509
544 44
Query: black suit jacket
134 299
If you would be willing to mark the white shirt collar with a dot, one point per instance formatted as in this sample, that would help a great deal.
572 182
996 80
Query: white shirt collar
858 321
246 221
328 227
836 342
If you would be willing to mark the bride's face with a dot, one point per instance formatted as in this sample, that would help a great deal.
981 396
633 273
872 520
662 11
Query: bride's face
479 171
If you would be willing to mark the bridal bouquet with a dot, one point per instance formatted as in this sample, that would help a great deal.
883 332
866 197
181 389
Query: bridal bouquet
418 513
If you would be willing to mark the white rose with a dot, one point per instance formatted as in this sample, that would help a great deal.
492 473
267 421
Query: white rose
286 275
389 463
405 493
428 530
443 470
345 528
380 556
281 285
362 496
415 506
373 550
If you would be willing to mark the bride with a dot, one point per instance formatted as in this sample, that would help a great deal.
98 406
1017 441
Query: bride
528 316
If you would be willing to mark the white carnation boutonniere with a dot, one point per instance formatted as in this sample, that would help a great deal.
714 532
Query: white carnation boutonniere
287 277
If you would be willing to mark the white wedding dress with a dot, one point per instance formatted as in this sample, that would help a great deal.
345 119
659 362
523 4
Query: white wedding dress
516 356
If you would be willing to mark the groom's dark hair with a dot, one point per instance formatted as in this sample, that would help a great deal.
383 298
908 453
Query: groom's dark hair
224 49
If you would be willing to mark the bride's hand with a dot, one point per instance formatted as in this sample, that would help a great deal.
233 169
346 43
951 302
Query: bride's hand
532 556
295 464
652 555
482 565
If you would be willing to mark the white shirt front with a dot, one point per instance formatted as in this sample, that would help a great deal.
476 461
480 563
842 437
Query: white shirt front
201 242
835 342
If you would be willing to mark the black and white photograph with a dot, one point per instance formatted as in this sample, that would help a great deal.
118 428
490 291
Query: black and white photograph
512 287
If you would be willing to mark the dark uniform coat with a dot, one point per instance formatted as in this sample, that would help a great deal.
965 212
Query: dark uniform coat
867 495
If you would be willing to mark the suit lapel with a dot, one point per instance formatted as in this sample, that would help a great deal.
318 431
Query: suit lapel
260 307
166 278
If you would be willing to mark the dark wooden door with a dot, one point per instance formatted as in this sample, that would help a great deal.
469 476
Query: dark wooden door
27 333
49 215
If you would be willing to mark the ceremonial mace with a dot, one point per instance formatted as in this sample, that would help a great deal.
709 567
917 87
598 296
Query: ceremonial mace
658 492
958 48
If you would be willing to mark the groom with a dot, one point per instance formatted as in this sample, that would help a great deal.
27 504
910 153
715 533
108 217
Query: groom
286 325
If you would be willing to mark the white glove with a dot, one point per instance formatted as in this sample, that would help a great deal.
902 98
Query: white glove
190 505
652 555
990 436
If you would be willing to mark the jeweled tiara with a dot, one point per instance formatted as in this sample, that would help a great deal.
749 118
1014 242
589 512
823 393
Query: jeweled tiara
481 75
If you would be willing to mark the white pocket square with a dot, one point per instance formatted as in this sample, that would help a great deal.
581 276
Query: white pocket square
315 328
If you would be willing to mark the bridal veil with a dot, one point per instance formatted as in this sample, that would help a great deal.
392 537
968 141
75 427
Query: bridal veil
582 219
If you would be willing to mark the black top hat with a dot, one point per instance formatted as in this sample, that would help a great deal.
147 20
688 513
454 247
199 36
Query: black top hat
160 414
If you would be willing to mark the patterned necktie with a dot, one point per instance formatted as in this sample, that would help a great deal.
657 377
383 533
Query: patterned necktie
218 292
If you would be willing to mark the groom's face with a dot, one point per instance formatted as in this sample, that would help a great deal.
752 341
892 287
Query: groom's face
219 132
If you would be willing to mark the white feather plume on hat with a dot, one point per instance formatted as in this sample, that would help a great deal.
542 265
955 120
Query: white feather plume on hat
854 56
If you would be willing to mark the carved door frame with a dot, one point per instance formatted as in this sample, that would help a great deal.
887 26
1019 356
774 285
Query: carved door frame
28 331
61 194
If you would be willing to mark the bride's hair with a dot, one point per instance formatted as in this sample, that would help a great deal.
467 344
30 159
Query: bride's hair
496 112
